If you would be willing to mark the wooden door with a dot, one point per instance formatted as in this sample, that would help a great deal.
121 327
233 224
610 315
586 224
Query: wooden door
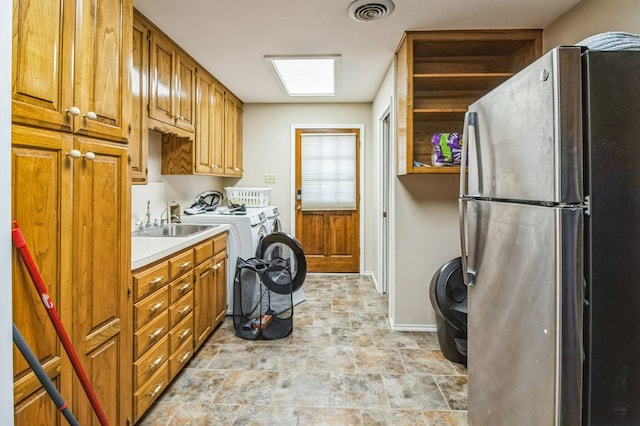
185 99
205 97
42 73
330 238
101 76
139 77
41 203
232 136
220 288
101 266
217 124
163 82
203 292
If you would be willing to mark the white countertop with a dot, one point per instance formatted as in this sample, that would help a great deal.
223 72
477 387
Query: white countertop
145 250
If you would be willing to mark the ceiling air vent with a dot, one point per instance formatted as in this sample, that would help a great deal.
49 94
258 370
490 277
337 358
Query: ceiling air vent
370 10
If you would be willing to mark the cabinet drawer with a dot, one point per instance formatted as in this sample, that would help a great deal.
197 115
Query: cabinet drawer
150 391
180 287
151 333
179 310
181 333
203 251
219 243
149 280
151 362
179 359
180 264
150 307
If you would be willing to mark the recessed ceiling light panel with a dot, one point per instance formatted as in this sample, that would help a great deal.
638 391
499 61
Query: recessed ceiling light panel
370 10
307 75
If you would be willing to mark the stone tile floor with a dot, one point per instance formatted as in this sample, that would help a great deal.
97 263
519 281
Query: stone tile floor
341 365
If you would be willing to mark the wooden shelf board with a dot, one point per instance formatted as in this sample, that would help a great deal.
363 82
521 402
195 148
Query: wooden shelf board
435 170
439 110
465 75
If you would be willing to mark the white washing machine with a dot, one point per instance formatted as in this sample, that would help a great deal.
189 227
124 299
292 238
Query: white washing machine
273 219
245 233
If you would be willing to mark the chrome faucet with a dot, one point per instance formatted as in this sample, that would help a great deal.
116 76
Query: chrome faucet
148 214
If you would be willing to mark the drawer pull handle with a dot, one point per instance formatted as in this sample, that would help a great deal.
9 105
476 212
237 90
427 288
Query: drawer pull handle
156 390
184 310
156 281
156 307
156 334
184 287
185 265
184 334
156 363
184 357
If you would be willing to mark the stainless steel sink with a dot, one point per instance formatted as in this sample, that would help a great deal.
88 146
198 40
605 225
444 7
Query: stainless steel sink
174 230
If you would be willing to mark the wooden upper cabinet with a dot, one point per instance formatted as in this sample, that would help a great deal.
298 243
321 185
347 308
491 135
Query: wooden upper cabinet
186 100
139 136
232 136
162 79
209 143
439 74
172 84
72 75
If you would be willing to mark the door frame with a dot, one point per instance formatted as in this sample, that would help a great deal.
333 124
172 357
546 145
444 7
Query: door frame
384 246
292 189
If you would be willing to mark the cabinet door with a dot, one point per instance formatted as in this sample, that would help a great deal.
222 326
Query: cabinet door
101 78
101 244
185 99
217 140
220 288
205 124
139 77
232 137
42 68
204 284
40 202
163 81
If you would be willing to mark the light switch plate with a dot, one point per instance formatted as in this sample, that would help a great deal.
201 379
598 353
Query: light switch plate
270 178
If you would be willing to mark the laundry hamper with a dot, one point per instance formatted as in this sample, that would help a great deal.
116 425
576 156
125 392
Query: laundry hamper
255 315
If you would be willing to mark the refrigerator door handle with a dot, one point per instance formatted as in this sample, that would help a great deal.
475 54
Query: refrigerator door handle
463 159
468 277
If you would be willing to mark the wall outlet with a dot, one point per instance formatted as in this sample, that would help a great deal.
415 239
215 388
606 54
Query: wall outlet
270 178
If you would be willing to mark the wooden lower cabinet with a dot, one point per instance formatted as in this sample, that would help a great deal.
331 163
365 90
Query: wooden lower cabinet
73 214
172 296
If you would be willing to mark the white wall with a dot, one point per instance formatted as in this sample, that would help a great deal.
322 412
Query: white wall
6 345
591 17
267 144
164 188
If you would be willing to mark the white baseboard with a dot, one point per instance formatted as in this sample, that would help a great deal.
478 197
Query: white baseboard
414 327
371 275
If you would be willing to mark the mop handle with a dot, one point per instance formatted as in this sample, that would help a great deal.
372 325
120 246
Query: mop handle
20 243
33 362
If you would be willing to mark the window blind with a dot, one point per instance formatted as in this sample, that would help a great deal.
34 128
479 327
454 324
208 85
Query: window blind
328 171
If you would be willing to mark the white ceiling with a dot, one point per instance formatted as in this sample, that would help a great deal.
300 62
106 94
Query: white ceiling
231 37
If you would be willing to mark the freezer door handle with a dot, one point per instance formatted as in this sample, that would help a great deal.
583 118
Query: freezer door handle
470 119
469 277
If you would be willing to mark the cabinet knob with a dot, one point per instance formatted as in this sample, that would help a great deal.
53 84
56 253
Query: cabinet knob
73 111
90 115
74 153
89 156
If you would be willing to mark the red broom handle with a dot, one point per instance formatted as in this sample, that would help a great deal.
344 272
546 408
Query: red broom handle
20 243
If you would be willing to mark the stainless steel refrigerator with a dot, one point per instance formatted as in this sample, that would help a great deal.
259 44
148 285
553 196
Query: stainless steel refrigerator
550 225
